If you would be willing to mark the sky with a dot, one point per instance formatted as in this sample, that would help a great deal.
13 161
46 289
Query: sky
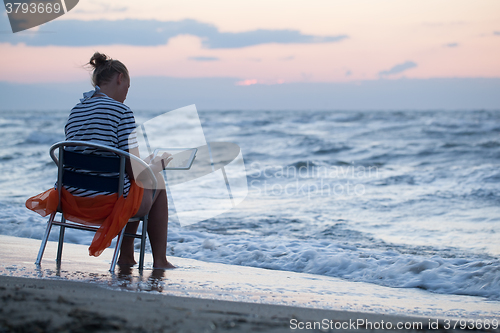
273 54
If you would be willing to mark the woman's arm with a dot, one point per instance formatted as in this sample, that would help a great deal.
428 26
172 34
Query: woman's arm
136 170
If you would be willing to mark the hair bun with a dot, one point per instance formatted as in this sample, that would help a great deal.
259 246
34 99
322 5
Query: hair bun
105 68
98 59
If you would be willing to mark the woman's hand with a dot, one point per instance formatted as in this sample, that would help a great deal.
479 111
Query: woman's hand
159 163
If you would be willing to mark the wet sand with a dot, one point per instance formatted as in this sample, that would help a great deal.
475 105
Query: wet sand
82 296
33 305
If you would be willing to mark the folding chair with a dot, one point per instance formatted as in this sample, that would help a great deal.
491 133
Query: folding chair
93 163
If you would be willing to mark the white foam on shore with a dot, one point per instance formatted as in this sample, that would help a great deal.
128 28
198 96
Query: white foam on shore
475 276
440 272
195 278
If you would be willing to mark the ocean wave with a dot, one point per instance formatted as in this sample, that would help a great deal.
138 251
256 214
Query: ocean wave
389 267
330 149
42 138
434 169
489 144
301 164
494 178
483 194
452 145
348 117
396 180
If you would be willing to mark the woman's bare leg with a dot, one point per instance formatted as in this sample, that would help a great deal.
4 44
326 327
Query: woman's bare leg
158 230
127 249
126 257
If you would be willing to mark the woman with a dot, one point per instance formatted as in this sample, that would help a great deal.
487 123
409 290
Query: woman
101 117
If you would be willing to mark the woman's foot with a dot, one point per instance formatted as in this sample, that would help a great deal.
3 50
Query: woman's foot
163 265
126 261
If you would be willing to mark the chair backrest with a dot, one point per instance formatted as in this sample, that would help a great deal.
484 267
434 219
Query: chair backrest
94 165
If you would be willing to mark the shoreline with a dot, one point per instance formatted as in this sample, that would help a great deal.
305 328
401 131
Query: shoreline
200 296
41 305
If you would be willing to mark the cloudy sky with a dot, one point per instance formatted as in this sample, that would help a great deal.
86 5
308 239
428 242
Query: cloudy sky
225 54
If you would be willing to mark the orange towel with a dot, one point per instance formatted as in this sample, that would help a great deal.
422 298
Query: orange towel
108 211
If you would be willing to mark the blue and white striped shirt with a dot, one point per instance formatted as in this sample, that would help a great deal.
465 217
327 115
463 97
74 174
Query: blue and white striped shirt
105 121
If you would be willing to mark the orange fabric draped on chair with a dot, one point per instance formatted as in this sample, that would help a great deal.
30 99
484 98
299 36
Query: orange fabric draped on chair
107 211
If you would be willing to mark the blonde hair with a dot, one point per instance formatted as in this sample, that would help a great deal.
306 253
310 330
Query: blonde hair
105 68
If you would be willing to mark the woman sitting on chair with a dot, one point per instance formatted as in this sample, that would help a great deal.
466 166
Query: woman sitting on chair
101 117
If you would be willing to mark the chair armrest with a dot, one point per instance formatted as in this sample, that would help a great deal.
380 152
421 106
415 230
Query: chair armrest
117 151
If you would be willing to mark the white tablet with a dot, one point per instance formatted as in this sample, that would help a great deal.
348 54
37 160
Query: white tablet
182 158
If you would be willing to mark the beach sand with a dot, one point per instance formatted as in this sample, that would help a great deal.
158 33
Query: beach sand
82 296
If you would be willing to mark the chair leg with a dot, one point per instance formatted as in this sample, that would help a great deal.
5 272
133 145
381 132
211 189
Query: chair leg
61 241
45 239
143 242
119 241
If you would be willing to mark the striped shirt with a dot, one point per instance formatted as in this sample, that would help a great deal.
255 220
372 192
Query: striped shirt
105 121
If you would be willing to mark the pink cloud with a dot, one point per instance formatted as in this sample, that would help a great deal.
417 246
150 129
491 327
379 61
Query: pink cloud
247 82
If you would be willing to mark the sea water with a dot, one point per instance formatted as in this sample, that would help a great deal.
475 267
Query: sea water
406 199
